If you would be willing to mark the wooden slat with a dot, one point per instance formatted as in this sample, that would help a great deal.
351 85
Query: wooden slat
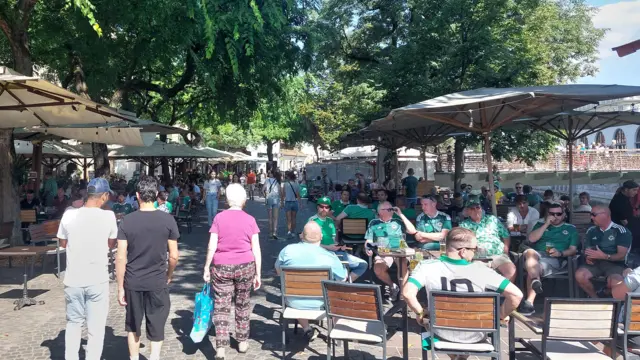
303 292
579 333
463 306
474 300
304 278
635 316
303 285
580 307
471 315
568 315
347 289
360 314
28 216
354 226
580 323
634 326
470 324
635 301
324 273
369 299
357 305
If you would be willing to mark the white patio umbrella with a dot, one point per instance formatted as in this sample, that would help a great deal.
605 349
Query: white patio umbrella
486 109
129 136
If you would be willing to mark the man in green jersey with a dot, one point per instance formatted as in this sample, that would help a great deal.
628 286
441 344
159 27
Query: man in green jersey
357 266
551 239
493 239
358 211
606 247
387 231
432 225
339 205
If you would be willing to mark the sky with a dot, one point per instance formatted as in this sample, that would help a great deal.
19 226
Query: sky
622 18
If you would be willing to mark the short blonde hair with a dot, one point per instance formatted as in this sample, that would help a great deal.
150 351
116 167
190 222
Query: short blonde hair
236 195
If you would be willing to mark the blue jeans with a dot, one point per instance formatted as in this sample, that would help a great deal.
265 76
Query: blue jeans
212 207
88 304
356 265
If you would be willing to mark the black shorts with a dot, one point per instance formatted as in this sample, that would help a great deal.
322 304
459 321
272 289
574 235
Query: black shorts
154 306
604 268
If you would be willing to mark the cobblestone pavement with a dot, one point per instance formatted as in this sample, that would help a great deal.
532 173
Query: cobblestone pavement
37 332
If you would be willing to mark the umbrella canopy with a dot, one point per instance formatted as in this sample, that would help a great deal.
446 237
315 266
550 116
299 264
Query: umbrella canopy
28 101
484 110
53 148
157 149
218 154
128 136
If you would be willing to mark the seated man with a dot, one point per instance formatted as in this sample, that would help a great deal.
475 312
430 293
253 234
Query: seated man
309 253
584 198
533 198
387 231
339 205
121 207
551 239
456 271
492 237
522 216
357 266
431 225
511 197
606 246
382 196
358 211
30 202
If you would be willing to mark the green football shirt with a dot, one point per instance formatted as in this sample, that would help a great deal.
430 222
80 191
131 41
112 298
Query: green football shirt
359 212
561 237
489 232
387 233
609 239
328 228
436 224
337 207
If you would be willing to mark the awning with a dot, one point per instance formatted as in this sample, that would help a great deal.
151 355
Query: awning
157 149
53 149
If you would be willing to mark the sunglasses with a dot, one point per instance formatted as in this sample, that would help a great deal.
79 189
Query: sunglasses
596 214
388 209
556 214
468 248
324 206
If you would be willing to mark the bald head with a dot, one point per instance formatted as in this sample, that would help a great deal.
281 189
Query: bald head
601 216
311 233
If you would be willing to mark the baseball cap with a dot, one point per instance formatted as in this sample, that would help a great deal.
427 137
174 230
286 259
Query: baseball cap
323 201
98 186
630 184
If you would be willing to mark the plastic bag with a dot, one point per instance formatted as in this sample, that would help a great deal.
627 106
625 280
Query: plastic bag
202 314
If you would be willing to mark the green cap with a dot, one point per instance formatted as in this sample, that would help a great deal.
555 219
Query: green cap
472 203
324 201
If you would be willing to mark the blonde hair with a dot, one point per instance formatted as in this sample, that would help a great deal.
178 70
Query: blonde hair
236 195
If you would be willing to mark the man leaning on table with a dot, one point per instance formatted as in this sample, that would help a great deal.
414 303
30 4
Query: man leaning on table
453 271
493 239
523 216
551 239
385 231
87 233
431 225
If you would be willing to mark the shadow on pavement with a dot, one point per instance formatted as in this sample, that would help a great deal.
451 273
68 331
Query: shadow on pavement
115 347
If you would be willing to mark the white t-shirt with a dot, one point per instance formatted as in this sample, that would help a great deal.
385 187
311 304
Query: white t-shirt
530 220
583 208
212 186
263 178
87 231
465 277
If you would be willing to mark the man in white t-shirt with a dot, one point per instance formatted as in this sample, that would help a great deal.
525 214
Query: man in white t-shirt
211 196
455 271
87 233
585 198
523 216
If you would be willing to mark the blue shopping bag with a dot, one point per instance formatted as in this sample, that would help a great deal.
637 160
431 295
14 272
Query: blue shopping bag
202 314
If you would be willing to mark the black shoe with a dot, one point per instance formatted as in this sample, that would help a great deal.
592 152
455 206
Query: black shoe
311 334
603 293
526 308
536 285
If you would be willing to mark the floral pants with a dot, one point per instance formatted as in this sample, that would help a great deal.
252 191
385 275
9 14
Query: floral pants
229 281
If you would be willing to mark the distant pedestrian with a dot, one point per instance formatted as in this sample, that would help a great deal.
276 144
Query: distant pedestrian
143 270
87 233
211 195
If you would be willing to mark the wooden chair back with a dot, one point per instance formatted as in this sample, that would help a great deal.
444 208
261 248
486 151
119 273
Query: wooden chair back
303 282
580 319
354 227
6 230
581 218
464 311
353 301
632 314
503 210
28 216
48 230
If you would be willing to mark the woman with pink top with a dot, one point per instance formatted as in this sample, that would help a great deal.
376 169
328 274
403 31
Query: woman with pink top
234 249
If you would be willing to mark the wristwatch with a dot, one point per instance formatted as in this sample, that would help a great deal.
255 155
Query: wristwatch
608 257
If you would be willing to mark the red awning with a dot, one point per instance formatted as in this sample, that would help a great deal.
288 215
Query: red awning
626 49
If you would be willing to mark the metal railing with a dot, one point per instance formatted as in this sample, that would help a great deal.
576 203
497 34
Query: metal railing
583 161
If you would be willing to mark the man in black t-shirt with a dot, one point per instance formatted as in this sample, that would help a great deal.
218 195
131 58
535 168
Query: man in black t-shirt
620 205
30 202
143 275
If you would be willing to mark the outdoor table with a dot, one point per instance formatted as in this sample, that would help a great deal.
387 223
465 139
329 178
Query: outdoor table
25 252
401 304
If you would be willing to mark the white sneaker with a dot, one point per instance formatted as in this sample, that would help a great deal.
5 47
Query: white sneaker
395 291
243 346
220 354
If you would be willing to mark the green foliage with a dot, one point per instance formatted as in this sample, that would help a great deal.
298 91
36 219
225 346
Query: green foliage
522 145
87 9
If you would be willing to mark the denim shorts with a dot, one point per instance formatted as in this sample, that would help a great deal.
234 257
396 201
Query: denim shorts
272 203
291 206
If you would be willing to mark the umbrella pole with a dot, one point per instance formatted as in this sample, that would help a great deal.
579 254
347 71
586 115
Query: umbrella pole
424 161
492 191
571 173
397 168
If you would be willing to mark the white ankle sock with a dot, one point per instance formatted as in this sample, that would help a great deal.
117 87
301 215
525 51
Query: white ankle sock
137 357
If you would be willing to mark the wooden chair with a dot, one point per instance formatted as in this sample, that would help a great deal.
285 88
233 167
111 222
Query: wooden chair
465 312
568 273
302 283
631 324
184 216
581 218
570 328
47 233
355 229
6 232
355 313
28 216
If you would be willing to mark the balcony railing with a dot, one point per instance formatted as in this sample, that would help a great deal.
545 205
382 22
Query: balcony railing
583 161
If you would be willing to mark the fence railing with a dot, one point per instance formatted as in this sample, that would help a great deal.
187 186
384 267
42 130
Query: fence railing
583 161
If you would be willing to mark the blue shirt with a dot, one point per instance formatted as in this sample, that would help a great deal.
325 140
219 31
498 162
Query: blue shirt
309 255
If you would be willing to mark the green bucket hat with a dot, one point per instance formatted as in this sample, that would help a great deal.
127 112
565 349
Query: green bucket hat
324 201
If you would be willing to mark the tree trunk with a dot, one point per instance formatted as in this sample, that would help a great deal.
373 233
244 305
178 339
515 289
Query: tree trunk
9 205
270 150
459 160
151 169
101 164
